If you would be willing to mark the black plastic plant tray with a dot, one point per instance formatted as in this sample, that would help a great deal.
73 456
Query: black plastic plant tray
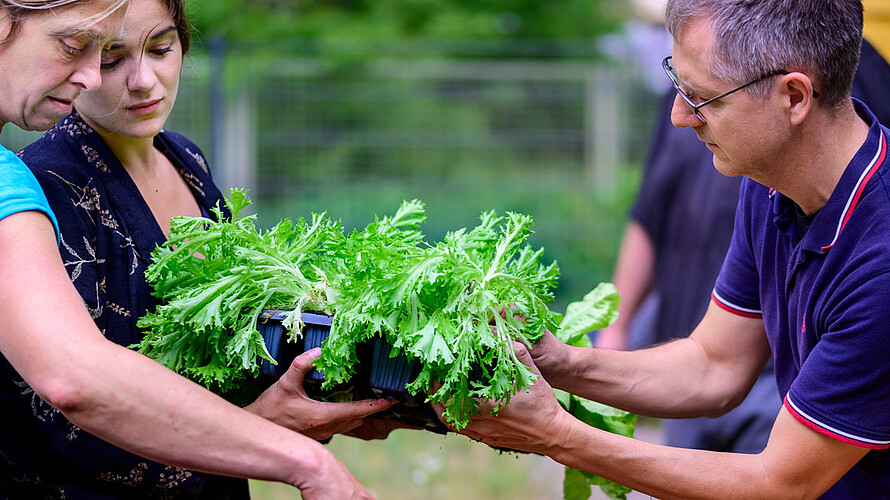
389 375
377 374
269 324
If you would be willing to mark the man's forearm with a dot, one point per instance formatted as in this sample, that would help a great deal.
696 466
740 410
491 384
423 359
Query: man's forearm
676 473
706 374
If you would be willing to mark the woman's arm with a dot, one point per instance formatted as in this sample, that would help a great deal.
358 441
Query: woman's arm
128 399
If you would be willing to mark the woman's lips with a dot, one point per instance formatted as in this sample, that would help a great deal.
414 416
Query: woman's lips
145 108
62 103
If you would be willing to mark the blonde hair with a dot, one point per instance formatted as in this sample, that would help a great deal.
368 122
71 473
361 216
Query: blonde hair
18 10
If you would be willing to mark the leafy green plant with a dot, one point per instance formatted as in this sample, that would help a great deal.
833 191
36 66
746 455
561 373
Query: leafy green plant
442 305
598 309
454 305
214 277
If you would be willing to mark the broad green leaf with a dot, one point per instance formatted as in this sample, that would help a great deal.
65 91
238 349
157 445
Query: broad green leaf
598 309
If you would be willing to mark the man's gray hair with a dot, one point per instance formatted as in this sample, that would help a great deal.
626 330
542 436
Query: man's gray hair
821 38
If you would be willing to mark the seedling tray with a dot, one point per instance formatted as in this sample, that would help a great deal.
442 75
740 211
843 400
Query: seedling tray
316 329
378 374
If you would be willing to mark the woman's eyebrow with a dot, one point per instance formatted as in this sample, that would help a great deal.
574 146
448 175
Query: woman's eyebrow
119 44
78 31
163 32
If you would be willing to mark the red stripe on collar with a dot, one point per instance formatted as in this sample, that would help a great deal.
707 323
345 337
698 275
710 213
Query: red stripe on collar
866 176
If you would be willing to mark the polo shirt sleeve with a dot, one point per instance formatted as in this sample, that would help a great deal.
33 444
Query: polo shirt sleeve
738 285
842 389
19 190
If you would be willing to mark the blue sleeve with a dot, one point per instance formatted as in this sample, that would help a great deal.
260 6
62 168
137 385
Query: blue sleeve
842 388
19 190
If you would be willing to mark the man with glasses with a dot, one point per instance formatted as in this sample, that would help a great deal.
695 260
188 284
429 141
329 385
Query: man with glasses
766 86
676 236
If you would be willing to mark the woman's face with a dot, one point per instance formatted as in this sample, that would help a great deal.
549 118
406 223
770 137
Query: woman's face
140 76
53 58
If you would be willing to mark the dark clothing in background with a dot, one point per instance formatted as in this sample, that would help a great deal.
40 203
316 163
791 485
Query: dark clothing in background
687 209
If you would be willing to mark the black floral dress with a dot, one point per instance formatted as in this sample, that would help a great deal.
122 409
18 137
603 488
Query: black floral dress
107 235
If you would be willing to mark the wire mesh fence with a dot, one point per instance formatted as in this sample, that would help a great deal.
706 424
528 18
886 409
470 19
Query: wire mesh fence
560 140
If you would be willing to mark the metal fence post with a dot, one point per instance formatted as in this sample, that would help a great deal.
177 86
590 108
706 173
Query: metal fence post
603 127
216 104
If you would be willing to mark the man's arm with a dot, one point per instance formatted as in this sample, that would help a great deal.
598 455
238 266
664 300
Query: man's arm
706 374
634 277
128 399
797 462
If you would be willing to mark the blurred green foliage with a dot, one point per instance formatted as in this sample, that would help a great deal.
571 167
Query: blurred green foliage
332 135
337 21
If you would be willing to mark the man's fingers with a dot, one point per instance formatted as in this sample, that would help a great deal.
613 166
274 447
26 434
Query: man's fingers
525 357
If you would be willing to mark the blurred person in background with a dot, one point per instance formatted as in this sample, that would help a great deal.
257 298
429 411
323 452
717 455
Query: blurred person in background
877 25
673 246
63 384
767 86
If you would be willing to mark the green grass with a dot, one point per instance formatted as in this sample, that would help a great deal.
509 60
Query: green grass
412 465
421 465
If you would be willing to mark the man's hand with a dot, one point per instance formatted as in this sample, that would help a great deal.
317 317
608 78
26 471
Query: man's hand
378 428
529 423
287 404
550 356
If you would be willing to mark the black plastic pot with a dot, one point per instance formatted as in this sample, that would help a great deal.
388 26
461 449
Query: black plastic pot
378 374
316 328
389 376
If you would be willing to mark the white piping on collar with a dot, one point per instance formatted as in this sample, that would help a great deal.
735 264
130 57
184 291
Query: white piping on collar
853 200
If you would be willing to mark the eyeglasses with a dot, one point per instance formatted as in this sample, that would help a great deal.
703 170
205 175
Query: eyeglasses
669 69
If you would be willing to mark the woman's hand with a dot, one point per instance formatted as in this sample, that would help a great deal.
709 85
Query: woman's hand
329 479
530 422
287 404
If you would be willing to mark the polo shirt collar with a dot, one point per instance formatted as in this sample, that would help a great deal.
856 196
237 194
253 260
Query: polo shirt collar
833 217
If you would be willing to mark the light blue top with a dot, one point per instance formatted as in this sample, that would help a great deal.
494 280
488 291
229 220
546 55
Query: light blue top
19 190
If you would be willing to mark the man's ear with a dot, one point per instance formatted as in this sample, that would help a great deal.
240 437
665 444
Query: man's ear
797 96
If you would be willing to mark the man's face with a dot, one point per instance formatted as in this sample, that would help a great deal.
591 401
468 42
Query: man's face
54 56
741 131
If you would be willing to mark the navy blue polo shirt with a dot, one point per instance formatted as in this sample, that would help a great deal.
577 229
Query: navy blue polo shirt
824 296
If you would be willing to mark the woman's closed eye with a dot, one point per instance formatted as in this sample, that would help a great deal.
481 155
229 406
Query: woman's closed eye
109 63
161 52
73 47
